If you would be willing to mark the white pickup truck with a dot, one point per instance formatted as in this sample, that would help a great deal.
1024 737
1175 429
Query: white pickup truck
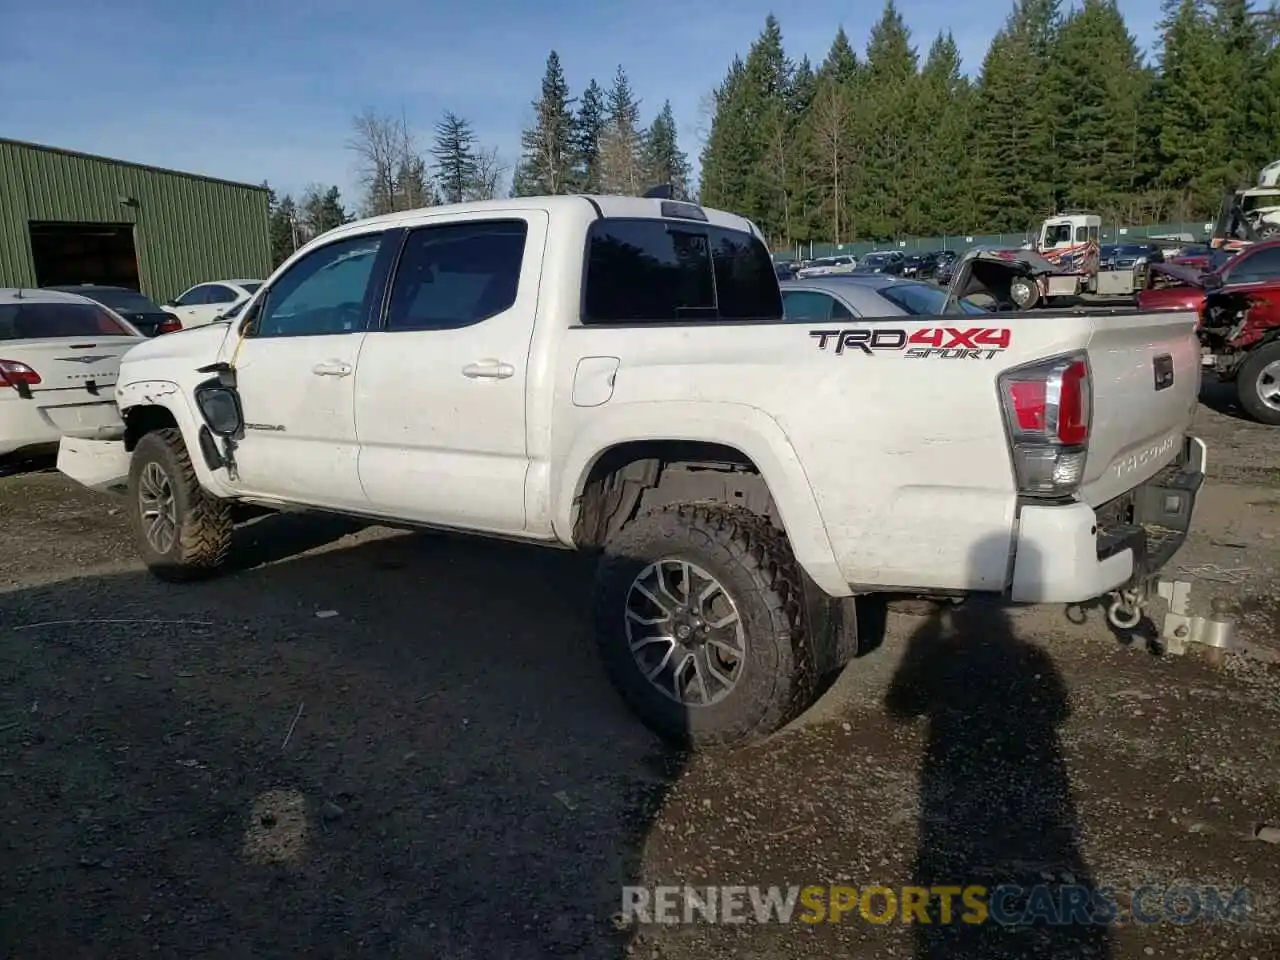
615 374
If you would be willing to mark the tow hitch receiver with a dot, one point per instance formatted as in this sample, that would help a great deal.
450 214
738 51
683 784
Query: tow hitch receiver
1178 628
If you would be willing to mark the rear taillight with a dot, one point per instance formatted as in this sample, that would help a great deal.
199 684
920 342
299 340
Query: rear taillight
172 325
1047 412
17 375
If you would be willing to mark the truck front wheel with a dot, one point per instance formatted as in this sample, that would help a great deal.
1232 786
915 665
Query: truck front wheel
1258 384
183 532
699 616
1024 293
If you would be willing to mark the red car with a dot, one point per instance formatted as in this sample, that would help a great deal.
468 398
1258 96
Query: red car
1239 308
1258 264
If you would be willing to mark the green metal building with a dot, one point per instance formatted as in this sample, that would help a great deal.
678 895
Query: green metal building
69 218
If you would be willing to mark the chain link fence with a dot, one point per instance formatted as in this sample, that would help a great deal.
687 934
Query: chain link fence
1113 233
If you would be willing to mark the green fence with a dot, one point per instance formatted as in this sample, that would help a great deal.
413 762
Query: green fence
1113 233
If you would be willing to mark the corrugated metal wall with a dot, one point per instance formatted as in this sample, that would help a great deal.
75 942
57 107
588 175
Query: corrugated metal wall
187 229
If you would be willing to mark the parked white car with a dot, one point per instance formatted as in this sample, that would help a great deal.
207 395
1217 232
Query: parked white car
205 302
59 358
826 266
615 374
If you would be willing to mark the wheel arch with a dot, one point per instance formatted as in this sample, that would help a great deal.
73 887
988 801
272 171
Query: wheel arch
632 458
150 405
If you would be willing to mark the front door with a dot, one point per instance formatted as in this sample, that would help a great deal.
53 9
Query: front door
295 372
440 390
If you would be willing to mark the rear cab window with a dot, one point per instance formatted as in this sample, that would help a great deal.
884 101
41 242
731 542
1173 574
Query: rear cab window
671 271
38 321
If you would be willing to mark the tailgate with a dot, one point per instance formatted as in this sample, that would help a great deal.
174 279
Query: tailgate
1146 385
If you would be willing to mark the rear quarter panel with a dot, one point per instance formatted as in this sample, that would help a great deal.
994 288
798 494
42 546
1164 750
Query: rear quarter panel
904 453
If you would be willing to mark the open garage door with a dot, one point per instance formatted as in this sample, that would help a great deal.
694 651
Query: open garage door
74 253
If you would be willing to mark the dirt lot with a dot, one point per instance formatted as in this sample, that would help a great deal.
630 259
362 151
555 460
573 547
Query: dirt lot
374 743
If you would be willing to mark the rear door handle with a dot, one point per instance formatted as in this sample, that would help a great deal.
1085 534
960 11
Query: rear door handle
331 368
488 370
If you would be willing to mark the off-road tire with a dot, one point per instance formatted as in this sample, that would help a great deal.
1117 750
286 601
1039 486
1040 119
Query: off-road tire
753 562
1247 383
204 522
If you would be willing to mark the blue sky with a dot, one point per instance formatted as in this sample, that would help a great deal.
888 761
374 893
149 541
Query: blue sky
266 90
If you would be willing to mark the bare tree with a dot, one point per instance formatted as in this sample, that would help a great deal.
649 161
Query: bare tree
390 166
706 114
488 176
378 144
832 125
778 145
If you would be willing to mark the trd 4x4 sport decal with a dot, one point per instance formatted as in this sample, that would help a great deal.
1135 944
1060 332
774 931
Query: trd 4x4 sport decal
942 343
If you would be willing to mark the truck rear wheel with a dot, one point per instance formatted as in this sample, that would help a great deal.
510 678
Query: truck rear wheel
699 616
183 533
1258 384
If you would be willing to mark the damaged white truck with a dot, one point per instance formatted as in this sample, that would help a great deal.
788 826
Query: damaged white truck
615 374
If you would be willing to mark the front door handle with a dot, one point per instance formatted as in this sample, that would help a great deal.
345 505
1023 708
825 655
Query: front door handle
488 370
331 368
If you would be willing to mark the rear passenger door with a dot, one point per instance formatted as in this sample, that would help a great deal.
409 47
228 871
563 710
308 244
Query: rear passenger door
440 387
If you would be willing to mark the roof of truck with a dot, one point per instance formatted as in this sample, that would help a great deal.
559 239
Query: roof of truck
588 206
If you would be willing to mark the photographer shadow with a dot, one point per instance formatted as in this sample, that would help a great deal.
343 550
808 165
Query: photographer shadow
996 806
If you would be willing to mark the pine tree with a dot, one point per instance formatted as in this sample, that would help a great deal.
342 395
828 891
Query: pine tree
944 195
619 157
886 126
841 64
454 150
663 160
766 87
1098 79
547 164
321 210
413 187
726 155
1015 121
1188 95
588 126
282 228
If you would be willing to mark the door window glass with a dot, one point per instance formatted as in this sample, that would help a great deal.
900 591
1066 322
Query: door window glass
325 292
457 275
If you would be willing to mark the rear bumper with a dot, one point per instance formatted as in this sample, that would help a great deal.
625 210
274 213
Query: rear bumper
101 465
42 420
1072 553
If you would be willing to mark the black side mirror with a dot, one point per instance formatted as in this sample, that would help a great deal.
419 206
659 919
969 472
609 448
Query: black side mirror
1212 281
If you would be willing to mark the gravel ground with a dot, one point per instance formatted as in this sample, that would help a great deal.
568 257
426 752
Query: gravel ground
366 742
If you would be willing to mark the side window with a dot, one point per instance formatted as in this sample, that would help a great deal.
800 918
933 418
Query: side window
1082 234
1263 265
325 292
807 305
671 270
456 275
216 293
192 298
813 306
746 288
